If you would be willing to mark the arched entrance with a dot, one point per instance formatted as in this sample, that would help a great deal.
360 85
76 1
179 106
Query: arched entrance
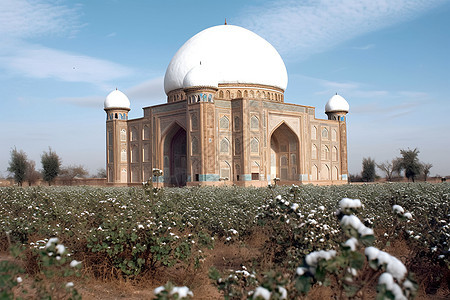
175 163
284 158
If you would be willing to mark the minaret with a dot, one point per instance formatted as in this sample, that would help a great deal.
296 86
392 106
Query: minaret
336 109
200 85
117 106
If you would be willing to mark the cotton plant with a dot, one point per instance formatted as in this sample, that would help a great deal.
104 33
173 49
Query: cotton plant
345 266
172 292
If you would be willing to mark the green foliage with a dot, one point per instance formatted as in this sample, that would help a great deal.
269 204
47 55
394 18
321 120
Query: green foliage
409 162
51 164
18 165
368 170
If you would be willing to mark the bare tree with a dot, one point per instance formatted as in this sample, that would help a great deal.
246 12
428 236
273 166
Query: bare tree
101 173
31 174
426 170
68 174
389 168
18 165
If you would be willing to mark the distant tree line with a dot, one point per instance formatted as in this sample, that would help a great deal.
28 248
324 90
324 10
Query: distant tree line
407 163
23 170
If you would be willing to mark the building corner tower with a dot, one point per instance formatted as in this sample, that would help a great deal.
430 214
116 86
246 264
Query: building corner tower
336 109
117 106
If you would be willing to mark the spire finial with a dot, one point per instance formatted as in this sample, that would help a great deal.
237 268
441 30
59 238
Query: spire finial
116 88
200 63
225 21
336 93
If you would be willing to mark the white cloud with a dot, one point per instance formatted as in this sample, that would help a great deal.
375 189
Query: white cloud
41 62
147 93
25 19
301 28
22 20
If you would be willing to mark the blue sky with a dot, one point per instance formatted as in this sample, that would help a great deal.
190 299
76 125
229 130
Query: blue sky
389 59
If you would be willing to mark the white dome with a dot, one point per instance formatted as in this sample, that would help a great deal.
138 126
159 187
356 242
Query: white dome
116 99
236 55
337 103
200 75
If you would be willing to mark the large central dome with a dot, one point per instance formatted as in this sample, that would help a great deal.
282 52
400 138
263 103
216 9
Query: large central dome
233 53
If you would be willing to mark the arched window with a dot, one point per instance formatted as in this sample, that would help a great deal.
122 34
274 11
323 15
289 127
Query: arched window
325 172
221 94
123 135
335 174
314 132
228 94
252 95
134 134
134 154
146 153
237 146
237 124
209 98
333 135
224 145
225 170
245 94
314 152
123 155
325 133
254 123
315 172
224 123
194 146
325 153
239 94
334 153
254 145
146 132
194 121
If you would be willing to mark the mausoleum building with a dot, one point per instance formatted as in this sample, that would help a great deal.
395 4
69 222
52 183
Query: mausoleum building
226 122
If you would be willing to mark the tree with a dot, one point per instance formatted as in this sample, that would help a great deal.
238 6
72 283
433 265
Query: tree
101 173
50 165
18 165
31 174
68 174
368 172
409 162
426 170
389 168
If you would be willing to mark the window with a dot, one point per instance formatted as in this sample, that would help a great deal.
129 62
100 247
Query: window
325 133
334 153
254 123
194 146
224 123
314 132
325 153
123 135
333 135
224 145
146 132
255 176
314 152
194 122
237 146
254 145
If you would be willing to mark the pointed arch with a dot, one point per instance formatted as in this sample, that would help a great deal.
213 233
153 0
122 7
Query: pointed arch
174 155
284 151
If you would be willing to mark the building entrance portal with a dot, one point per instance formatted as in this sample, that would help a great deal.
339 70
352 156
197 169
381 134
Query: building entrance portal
284 154
175 162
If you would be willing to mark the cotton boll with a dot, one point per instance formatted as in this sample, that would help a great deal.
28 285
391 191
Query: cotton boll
262 292
352 242
182 292
398 209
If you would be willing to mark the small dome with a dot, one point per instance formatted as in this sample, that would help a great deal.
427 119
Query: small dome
200 75
116 99
336 103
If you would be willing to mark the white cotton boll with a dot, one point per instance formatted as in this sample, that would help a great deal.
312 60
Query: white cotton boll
158 290
300 271
74 263
69 284
182 292
60 249
371 252
53 240
396 268
352 242
283 292
262 292
19 279
278 197
407 215
294 206
398 209
321 207
349 203
355 222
